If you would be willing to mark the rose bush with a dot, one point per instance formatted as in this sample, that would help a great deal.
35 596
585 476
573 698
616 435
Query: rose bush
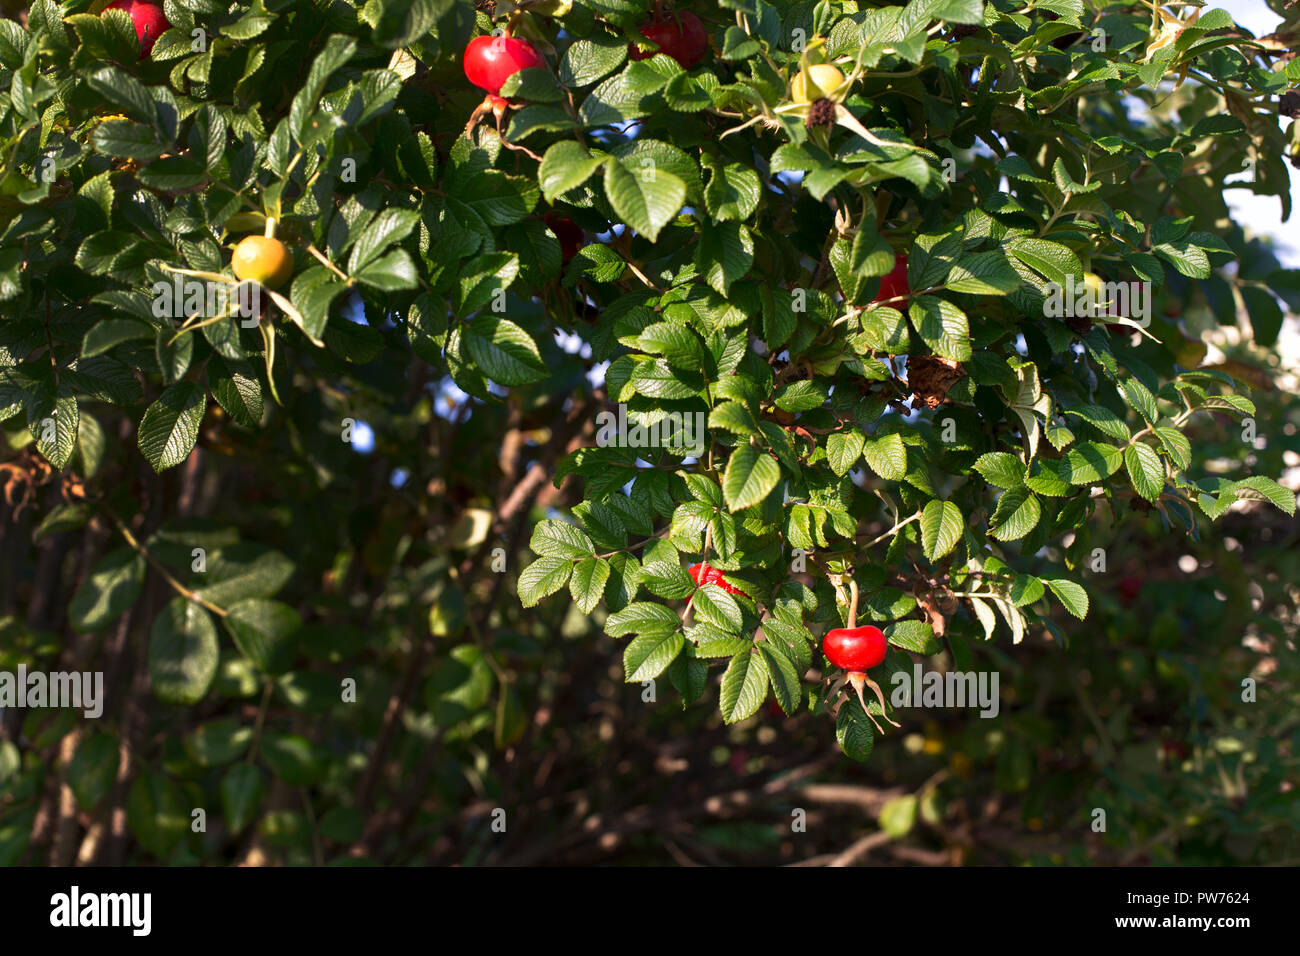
288 523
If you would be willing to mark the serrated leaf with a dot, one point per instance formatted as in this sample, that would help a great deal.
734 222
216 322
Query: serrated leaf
588 582
1016 515
886 455
751 476
183 653
649 655
170 426
744 687
110 590
843 449
645 199
542 578
941 528
503 351
1001 469
854 731
263 630
642 618
1073 597
1090 462
1145 470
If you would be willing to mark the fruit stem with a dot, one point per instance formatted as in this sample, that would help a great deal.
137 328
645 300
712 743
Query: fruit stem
270 228
853 607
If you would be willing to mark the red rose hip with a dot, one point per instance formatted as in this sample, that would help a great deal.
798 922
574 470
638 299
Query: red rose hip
682 37
491 60
569 233
855 648
894 284
149 20
703 574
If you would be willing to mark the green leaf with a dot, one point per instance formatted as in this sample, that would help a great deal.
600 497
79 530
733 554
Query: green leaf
744 687
843 449
591 59
724 254
915 636
157 812
732 193
854 731
886 455
1145 470
1017 514
942 326
559 539
1103 419
1176 446
170 426
751 476
110 590
645 198
294 759
54 425
542 578
1072 596
714 606
1002 469
784 679
241 795
93 769
1090 462
898 816
183 653
588 583
642 618
218 742
243 572
1266 489
985 273
108 333
504 351
941 528
566 165
263 631
648 656
237 389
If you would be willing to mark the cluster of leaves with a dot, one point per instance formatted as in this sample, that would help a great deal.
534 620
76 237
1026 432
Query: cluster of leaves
733 262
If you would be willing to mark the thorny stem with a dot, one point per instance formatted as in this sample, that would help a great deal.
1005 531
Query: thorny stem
179 588
261 719
329 265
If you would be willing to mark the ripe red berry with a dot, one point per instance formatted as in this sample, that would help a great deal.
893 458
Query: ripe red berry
682 37
894 284
569 233
703 574
149 20
491 60
855 649
1130 586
